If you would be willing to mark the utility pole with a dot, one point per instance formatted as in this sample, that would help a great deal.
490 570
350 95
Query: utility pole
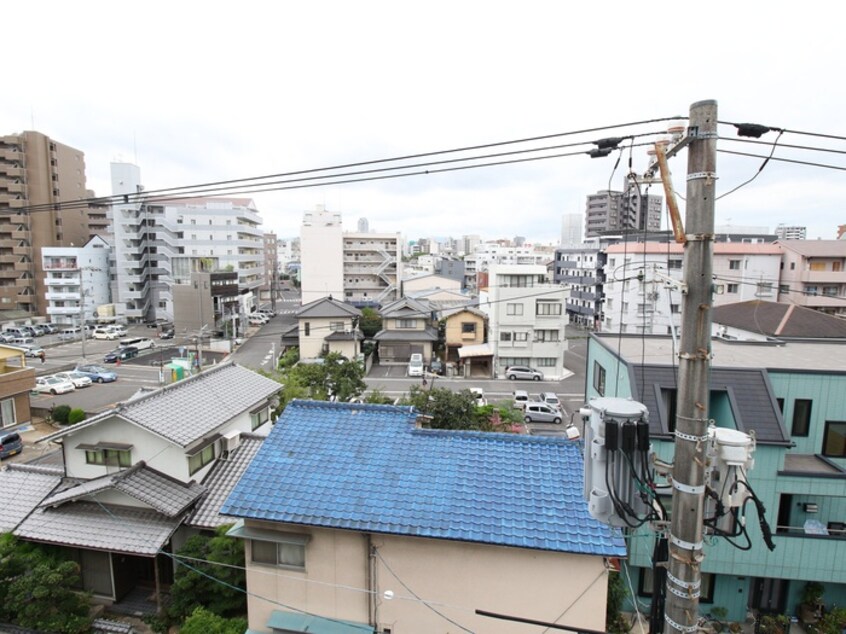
685 541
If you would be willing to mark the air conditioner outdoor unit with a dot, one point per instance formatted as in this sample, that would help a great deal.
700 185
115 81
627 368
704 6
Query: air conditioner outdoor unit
231 440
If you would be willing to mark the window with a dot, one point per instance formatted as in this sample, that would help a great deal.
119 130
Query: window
834 441
765 289
829 291
780 402
406 323
784 288
336 326
732 288
545 362
7 412
289 554
521 336
801 417
675 309
734 265
598 378
812 290
514 309
201 459
669 400
542 336
505 336
548 308
259 418
674 263
468 328
307 328
109 457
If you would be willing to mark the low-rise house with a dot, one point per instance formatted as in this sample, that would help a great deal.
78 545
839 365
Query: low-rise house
16 382
407 328
355 518
328 325
133 474
465 335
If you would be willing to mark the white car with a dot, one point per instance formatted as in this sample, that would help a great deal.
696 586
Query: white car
78 379
479 395
53 385
550 399
105 333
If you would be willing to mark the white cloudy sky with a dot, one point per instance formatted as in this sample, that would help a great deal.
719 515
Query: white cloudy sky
195 92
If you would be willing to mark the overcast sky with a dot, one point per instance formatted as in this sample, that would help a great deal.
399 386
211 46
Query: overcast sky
195 92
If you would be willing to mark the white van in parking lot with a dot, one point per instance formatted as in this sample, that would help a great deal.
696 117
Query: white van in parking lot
142 343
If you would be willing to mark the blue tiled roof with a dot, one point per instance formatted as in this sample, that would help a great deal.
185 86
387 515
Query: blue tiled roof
367 468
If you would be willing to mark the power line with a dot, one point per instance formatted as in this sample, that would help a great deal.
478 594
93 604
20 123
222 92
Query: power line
784 160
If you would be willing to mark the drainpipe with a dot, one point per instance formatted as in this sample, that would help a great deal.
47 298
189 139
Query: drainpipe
370 580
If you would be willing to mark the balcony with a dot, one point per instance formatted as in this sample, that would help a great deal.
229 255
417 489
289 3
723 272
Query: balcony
823 277
22 235
61 296
62 281
12 171
62 310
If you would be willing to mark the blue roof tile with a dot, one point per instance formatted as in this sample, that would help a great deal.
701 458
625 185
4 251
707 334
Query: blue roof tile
368 468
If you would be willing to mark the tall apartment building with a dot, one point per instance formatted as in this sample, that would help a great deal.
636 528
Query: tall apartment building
786 232
271 266
813 274
360 268
77 282
36 173
616 211
581 268
526 318
161 243
638 298
571 229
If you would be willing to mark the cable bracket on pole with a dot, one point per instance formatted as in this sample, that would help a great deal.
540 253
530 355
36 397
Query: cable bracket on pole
708 176
686 545
681 628
687 585
683 595
687 488
690 437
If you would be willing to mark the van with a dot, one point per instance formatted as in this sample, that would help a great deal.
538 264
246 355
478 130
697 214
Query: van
415 365
14 331
24 342
69 334
520 397
142 343
10 444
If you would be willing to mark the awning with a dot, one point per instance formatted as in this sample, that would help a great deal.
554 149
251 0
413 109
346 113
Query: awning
476 350
285 621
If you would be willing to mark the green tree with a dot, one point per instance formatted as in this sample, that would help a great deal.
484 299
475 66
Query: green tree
290 358
378 397
370 321
37 589
60 414
617 593
448 409
200 581
202 621
76 415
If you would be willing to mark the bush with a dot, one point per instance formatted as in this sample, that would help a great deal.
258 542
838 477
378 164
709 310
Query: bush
202 621
60 414
76 415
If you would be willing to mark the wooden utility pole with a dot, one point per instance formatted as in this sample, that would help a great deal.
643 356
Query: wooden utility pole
685 541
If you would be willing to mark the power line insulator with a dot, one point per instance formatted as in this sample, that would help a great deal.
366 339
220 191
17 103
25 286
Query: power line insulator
754 130
609 142
600 152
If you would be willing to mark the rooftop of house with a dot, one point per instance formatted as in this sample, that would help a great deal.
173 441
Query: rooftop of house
189 410
816 248
328 307
779 320
369 468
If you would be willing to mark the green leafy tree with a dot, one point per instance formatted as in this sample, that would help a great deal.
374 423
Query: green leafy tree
203 621
76 415
38 590
617 593
209 585
370 321
290 358
448 409
60 414
378 397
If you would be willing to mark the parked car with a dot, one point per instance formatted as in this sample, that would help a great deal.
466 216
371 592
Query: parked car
550 399
28 331
537 412
120 353
52 385
39 330
120 329
415 365
166 334
105 333
34 351
51 329
520 397
141 343
479 395
523 372
436 367
267 310
6 337
78 379
97 373
256 320
10 444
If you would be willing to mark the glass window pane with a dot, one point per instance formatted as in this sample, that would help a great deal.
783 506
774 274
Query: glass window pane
264 552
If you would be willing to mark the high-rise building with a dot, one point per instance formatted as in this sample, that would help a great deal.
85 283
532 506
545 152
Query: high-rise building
617 211
271 266
363 225
571 229
77 281
785 232
36 174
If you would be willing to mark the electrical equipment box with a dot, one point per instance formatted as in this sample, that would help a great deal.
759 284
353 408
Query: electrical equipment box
616 460
730 458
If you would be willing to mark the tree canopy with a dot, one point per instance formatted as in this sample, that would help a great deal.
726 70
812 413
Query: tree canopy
336 377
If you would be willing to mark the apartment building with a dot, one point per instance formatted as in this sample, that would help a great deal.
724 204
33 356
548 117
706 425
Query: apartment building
363 268
37 173
581 268
642 292
791 232
616 211
271 266
502 252
159 243
77 281
526 318
813 274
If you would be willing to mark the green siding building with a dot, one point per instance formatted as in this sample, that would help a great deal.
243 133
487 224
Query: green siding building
792 396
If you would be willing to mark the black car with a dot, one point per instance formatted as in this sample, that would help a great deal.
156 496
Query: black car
121 354
436 367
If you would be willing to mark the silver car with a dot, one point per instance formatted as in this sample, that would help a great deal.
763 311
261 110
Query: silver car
523 372
537 412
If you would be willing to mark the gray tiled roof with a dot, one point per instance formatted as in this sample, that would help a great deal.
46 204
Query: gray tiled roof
162 493
191 409
429 334
89 525
406 306
24 487
220 482
779 320
815 248
328 307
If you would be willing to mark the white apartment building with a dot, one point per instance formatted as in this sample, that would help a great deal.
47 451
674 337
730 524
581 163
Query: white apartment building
288 252
488 253
160 243
77 281
640 299
358 268
526 318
